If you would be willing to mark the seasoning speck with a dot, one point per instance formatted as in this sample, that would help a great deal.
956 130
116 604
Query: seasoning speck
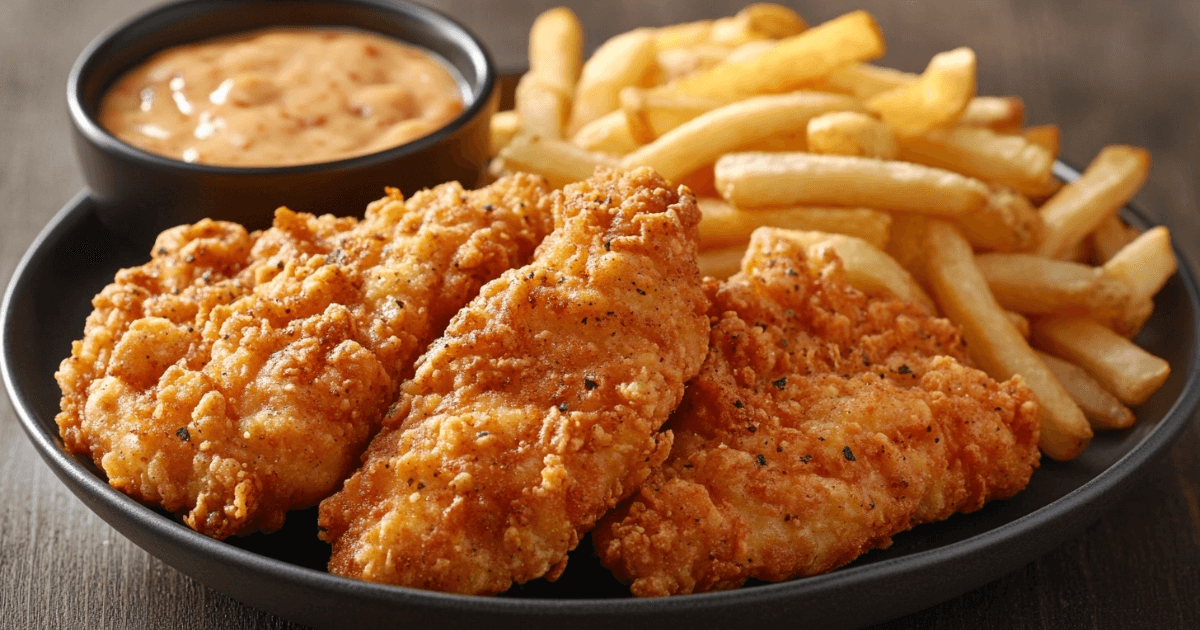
780 383
183 434
589 384
849 454
762 461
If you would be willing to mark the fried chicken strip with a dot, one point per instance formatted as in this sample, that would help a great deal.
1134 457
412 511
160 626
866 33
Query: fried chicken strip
821 424
538 409
237 376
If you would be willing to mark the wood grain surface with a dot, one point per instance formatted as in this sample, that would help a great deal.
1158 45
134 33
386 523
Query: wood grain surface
1106 71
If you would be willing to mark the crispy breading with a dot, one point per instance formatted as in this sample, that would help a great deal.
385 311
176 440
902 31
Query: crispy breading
237 376
822 423
538 410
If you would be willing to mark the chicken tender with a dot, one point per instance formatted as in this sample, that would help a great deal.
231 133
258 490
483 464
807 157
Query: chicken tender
821 424
237 376
539 408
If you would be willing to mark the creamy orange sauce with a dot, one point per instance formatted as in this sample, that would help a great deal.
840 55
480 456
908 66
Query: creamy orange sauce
281 97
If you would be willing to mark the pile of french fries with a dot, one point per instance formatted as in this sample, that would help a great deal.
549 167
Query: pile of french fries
924 190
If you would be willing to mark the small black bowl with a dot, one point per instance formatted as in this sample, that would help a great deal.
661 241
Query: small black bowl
141 193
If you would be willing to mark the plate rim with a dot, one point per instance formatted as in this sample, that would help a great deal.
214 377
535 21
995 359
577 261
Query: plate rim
89 488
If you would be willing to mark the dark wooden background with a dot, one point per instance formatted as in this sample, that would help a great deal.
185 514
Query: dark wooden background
1106 71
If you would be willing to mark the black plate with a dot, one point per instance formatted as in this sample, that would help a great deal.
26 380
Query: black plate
75 256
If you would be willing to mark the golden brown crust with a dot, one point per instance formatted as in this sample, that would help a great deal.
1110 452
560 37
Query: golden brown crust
822 423
537 411
237 376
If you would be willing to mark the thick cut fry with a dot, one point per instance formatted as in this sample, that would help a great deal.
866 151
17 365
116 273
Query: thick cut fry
749 51
1007 223
651 113
981 153
543 96
867 268
785 179
937 99
723 225
907 244
504 126
676 63
1102 409
1107 184
962 293
794 62
864 80
1049 137
1019 321
607 134
1002 114
1110 237
1032 284
556 49
756 21
703 139
561 163
625 60
851 133
1145 264
542 109
721 263
1123 368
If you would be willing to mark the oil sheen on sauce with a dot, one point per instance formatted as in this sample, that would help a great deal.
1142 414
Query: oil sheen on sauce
281 97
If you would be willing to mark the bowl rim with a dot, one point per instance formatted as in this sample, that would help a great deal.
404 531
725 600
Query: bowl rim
89 128
1096 493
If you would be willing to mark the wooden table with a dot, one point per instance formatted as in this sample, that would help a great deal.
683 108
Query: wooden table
1106 71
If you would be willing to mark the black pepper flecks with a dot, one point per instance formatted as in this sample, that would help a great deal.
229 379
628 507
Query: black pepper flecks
739 404
752 428
589 384
762 461
904 369
780 383
562 407
849 454
483 434
183 434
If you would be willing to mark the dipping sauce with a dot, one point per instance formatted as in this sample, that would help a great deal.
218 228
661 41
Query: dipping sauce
281 97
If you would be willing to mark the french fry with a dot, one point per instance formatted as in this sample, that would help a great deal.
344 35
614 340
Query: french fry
1020 322
560 162
936 99
543 97
651 113
1107 184
1032 284
556 49
1145 264
851 133
1119 365
1101 408
625 60
676 63
504 126
761 20
703 139
864 80
749 51
786 179
758 20
722 225
794 61
997 347
867 268
607 134
1006 223
1049 137
541 109
907 244
721 263
1002 114
1110 237
982 153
